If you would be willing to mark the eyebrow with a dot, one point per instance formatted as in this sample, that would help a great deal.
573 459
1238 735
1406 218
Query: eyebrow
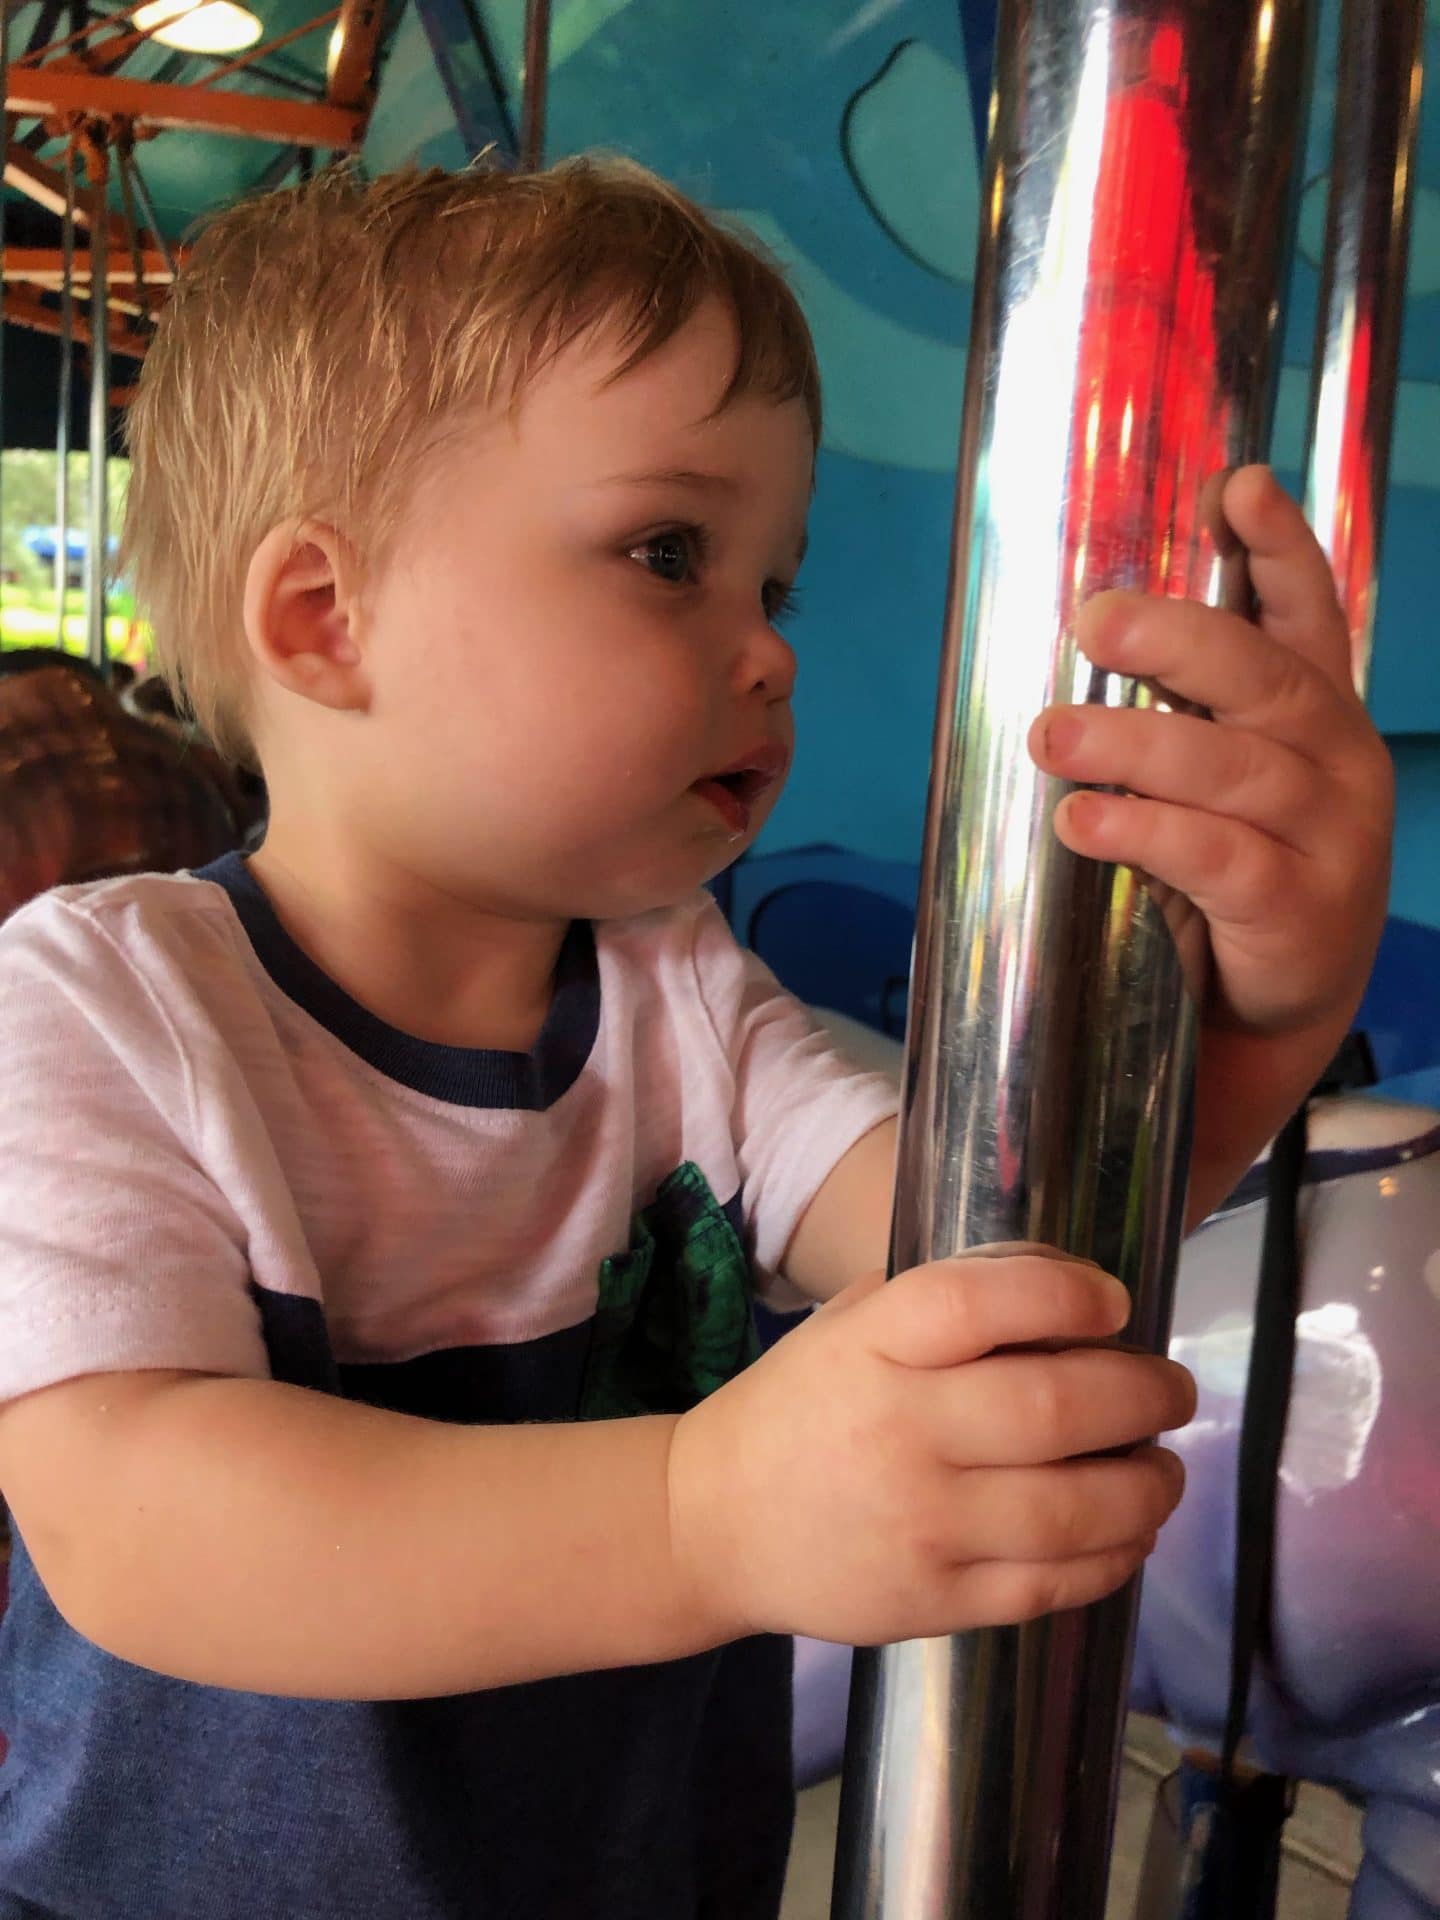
691 477
675 477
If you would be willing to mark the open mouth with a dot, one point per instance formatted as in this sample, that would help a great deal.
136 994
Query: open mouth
734 791
747 786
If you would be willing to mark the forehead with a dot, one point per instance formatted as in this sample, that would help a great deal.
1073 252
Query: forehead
580 434
667 410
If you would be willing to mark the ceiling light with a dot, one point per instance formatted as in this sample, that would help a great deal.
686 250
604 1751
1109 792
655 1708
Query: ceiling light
204 26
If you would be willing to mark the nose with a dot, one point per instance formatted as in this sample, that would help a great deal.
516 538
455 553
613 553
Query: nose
766 663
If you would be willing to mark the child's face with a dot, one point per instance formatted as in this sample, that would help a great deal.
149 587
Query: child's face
575 630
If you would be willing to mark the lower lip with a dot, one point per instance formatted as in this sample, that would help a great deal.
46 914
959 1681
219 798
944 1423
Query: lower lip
731 808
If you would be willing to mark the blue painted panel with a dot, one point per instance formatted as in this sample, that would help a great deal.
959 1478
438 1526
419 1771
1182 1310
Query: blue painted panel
1405 668
868 640
1415 888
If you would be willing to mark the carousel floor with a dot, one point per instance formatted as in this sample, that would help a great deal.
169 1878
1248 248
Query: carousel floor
1322 1850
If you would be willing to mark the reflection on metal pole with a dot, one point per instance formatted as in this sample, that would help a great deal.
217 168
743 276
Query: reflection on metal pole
537 74
1137 216
1362 296
97 534
66 400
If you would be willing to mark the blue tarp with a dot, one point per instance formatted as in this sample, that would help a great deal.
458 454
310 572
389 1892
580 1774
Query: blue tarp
42 542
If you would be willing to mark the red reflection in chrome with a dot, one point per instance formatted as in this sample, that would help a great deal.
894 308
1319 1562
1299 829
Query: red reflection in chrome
1147 433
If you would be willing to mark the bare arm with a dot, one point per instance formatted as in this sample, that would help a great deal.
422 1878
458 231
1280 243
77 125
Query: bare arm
397 1557
845 1230
1246 1088
883 1474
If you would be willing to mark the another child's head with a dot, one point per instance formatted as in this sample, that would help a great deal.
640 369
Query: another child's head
467 503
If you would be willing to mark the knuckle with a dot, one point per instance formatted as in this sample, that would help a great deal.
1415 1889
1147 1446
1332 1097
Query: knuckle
1048 1401
955 1300
1214 855
1293 680
926 1548
1065 1525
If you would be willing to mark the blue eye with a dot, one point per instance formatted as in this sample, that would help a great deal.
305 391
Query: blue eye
674 555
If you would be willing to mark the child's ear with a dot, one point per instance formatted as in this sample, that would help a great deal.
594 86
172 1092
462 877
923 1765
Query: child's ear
301 615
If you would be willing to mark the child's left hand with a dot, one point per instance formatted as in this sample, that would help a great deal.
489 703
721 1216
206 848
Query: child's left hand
1274 818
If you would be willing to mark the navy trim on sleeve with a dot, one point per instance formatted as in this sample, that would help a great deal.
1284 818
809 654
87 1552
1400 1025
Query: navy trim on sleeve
462 1076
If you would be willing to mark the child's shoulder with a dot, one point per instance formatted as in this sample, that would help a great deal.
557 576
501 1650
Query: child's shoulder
132 901
102 932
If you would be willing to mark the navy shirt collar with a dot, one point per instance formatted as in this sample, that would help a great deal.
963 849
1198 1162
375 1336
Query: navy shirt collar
462 1076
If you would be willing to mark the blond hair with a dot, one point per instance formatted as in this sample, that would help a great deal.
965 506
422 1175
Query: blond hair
318 338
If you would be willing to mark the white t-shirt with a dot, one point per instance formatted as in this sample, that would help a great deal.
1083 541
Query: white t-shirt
212 1159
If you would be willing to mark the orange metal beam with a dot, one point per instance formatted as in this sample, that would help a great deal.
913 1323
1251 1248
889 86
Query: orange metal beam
300 123
46 187
47 264
351 65
25 308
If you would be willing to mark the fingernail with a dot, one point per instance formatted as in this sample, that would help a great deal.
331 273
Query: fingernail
1087 812
1063 733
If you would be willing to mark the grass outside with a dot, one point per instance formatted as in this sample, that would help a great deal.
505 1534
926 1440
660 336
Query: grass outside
28 618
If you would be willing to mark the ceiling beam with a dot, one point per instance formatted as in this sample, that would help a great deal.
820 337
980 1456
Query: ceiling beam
350 69
46 265
46 187
25 308
51 89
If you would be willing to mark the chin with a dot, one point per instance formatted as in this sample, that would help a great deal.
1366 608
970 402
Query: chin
623 896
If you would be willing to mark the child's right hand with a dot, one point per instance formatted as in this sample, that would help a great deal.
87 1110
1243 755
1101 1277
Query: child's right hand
890 1471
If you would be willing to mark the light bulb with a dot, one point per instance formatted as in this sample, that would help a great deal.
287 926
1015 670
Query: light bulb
205 26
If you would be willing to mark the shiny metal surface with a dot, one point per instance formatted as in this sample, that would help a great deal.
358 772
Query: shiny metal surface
1140 195
1362 296
97 519
63 401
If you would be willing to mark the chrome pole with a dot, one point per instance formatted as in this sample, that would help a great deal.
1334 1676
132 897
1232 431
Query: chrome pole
67 379
1362 297
97 536
1136 221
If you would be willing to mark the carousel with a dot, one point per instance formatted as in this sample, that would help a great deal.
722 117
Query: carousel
1068 262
